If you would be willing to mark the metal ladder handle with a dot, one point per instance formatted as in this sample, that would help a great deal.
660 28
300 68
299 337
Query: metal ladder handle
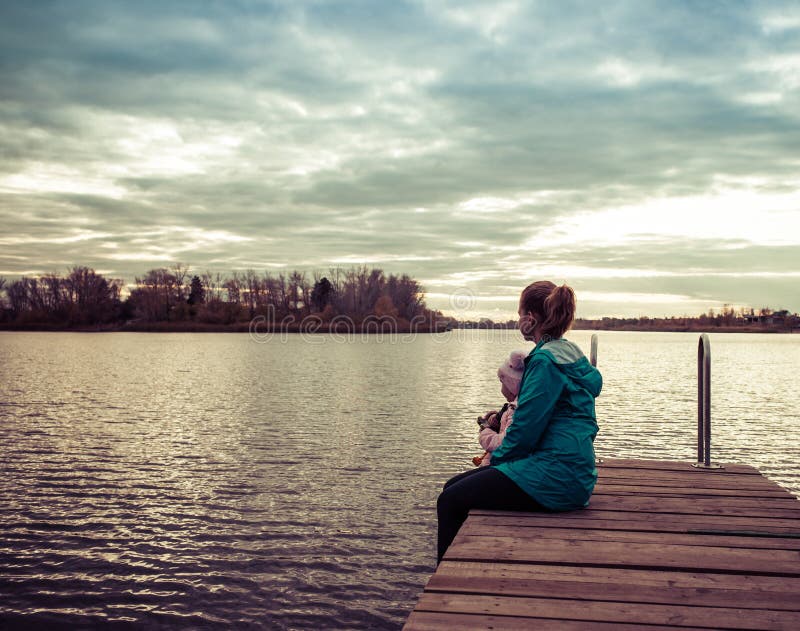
704 405
593 361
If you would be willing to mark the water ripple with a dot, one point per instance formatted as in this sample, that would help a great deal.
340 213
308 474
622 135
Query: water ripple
292 486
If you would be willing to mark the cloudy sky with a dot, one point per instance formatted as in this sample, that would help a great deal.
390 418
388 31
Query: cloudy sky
647 153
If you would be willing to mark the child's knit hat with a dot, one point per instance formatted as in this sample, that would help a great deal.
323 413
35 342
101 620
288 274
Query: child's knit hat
511 370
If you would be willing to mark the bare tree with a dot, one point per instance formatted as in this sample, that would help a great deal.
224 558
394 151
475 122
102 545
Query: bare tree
156 294
213 286
406 294
180 271
282 295
17 293
53 290
252 284
82 297
297 291
375 284
91 298
233 286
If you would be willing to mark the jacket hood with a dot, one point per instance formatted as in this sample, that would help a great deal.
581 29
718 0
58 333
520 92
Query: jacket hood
571 361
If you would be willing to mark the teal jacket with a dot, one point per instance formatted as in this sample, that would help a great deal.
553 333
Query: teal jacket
548 448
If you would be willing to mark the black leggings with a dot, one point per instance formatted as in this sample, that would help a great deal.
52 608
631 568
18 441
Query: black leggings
484 487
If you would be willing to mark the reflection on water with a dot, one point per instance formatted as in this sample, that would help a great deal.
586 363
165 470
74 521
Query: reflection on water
190 480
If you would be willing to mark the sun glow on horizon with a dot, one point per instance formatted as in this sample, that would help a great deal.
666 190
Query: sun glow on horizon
745 213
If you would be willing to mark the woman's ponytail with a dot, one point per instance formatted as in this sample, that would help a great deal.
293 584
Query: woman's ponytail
559 311
554 304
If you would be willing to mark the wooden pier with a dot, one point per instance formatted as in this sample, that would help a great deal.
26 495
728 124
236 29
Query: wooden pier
662 545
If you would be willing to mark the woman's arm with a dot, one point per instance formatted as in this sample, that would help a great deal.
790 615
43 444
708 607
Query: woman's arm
541 389
490 439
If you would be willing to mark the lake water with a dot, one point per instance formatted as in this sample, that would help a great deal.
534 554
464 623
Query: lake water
191 480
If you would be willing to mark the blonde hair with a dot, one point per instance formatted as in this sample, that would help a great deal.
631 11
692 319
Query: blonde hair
554 306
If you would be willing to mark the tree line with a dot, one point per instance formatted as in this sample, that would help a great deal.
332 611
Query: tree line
744 319
83 297
727 319
354 299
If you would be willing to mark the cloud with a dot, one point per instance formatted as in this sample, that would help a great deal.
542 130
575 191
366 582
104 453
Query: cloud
629 149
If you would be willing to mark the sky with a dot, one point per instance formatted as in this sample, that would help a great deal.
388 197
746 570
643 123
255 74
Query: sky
645 153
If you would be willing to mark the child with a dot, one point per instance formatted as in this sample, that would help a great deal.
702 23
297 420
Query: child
510 376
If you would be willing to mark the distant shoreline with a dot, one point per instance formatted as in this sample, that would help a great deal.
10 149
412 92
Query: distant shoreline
352 301
245 327
690 329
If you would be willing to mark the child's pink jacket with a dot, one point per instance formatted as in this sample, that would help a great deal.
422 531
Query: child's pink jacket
491 440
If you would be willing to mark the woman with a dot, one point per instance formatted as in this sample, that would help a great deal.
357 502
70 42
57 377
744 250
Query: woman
546 460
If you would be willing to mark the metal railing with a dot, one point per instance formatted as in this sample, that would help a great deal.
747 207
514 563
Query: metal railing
593 360
704 405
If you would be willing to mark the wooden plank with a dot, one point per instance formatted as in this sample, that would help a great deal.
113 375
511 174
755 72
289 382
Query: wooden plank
673 465
646 521
642 555
617 584
616 612
704 478
786 502
675 474
745 477
689 487
437 621
752 507
597 534
683 469
641 522
689 483
604 488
